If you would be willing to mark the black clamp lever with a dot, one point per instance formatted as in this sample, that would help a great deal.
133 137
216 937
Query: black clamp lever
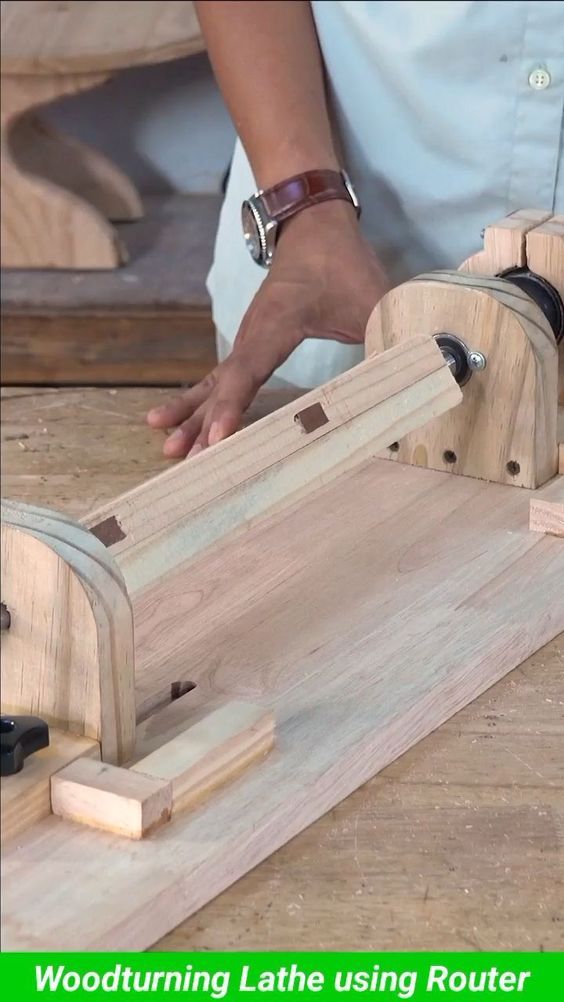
20 737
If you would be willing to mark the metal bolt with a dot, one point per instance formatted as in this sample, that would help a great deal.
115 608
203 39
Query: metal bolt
5 618
477 361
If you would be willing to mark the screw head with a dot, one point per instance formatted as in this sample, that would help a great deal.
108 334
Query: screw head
477 361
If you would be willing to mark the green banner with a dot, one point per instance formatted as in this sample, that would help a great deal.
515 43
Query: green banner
251 976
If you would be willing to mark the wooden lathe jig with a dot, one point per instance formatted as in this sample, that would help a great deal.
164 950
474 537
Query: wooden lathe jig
291 574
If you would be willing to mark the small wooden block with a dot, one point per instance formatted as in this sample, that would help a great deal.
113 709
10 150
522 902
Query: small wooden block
505 243
547 516
109 797
26 796
211 752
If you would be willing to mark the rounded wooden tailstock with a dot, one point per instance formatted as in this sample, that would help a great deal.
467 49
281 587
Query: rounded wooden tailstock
67 655
505 428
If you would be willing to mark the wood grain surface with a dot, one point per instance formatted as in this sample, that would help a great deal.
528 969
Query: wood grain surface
546 512
46 37
458 844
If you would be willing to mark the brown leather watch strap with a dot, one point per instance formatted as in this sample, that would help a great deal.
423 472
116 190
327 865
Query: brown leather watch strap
296 193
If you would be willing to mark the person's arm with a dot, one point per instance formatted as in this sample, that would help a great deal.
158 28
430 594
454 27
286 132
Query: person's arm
267 63
324 280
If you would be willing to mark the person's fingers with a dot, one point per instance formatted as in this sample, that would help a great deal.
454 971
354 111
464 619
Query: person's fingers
225 420
180 442
235 392
175 411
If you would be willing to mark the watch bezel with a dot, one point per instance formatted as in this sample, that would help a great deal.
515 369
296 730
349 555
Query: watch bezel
351 192
266 228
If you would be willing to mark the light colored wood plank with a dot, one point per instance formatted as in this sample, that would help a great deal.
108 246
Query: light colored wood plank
39 37
546 512
393 605
25 798
505 429
505 243
211 752
68 655
194 504
116 800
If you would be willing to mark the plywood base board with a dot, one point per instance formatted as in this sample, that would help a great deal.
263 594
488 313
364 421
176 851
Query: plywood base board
364 616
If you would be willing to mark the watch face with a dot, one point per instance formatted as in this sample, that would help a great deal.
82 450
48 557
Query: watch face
252 233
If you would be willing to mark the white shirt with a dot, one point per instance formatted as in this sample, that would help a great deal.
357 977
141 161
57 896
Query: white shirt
451 116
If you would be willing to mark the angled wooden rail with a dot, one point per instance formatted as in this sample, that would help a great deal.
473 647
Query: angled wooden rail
176 515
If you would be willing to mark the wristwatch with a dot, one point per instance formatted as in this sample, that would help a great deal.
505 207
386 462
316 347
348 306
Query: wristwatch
264 211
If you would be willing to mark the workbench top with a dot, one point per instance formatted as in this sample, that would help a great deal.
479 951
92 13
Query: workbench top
457 845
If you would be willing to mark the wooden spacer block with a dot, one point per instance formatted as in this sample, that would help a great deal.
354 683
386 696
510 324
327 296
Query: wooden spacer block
211 752
546 512
26 796
109 797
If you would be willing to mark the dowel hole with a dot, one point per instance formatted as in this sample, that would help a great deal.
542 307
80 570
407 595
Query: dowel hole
449 456
5 617
394 447
178 689
513 468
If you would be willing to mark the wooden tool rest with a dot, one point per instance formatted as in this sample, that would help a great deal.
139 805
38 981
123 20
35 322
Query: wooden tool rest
287 573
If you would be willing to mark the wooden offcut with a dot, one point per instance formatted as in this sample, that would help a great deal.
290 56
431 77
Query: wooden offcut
105 796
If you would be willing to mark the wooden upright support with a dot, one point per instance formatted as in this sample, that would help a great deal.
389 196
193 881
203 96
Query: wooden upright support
505 429
68 654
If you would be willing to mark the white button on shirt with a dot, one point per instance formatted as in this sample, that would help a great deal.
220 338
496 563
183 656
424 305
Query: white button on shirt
451 115
539 79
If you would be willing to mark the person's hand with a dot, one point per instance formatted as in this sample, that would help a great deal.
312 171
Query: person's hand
324 282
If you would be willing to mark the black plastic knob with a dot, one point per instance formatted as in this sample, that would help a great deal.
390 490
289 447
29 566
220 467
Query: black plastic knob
20 737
